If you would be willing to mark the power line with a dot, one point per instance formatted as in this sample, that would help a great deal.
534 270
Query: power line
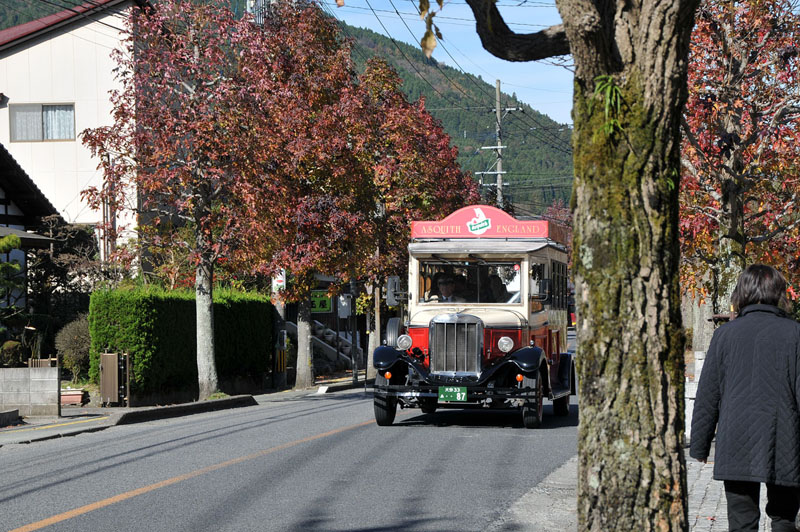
15 8
553 142
436 63
403 53
400 14
558 143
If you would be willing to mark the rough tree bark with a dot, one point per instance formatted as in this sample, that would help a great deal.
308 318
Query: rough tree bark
625 248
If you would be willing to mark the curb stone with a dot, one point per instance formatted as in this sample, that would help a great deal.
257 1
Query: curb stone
46 430
165 412
60 428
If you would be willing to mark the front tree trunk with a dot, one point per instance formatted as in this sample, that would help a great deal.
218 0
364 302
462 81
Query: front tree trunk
204 307
631 468
630 344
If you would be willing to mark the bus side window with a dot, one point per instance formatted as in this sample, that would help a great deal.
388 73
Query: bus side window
540 284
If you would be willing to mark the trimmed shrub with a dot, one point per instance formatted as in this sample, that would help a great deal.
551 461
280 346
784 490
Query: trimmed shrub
11 353
157 329
72 346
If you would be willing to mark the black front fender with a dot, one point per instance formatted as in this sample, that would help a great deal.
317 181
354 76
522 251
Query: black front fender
528 359
385 357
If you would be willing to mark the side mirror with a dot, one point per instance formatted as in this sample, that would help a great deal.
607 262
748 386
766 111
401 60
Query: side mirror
394 292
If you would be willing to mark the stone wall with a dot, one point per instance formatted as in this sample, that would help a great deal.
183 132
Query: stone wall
692 380
32 391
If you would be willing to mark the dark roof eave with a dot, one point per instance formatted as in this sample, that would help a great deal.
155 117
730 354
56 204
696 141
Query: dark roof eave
29 240
20 188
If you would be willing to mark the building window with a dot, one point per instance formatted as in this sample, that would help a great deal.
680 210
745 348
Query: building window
34 122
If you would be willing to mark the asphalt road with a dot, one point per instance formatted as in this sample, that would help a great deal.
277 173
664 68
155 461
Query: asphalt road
311 462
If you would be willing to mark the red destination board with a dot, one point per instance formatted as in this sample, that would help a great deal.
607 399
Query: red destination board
481 221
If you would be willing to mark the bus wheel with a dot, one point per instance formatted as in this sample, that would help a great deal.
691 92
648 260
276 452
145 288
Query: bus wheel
385 410
385 407
561 406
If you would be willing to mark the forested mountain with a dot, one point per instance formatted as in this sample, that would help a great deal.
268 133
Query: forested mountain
19 12
537 158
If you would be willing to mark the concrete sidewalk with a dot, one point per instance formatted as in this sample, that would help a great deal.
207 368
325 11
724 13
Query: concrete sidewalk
551 506
707 506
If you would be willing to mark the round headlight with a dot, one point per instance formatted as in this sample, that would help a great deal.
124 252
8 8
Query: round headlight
404 342
505 344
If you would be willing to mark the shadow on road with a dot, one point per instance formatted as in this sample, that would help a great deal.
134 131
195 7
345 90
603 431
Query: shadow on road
483 418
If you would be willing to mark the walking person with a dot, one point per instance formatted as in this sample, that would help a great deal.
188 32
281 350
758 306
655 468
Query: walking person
749 391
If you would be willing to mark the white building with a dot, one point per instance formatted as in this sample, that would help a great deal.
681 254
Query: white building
55 78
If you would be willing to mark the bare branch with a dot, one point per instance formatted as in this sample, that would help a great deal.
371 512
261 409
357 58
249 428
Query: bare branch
501 42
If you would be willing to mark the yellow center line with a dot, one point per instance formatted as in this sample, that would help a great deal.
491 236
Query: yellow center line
58 425
174 480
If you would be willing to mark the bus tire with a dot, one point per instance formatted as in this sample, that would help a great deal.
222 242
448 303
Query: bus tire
561 406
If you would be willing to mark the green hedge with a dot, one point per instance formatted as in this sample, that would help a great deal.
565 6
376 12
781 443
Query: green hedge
157 329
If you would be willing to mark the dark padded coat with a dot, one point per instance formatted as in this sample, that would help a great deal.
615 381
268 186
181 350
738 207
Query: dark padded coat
749 391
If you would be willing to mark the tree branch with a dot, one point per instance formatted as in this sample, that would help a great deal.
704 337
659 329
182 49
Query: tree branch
501 42
771 234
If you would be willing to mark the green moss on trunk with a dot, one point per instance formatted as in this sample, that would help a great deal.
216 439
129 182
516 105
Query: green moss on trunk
631 366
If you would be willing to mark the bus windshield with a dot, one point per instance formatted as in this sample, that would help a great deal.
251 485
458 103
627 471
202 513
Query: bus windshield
469 281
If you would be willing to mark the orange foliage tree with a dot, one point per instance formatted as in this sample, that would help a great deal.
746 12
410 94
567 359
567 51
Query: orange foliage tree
741 175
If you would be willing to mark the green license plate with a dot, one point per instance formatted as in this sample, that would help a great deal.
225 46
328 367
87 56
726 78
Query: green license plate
449 394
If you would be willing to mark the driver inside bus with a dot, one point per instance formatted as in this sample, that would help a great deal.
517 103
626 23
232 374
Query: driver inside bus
447 286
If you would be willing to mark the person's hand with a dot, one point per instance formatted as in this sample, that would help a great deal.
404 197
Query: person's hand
703 460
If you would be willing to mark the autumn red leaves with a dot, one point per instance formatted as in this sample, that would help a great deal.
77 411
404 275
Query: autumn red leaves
741 177
264 141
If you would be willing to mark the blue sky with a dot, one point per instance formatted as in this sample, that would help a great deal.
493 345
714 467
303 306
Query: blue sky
541 84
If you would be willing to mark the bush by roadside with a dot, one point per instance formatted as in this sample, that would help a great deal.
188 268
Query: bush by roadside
72 346
156 328
11 353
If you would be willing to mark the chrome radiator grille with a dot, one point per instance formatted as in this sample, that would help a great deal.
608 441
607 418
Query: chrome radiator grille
455 343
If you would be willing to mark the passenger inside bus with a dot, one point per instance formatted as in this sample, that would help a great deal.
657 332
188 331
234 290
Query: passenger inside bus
498 290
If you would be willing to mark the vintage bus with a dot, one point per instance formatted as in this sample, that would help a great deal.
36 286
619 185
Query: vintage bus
486 319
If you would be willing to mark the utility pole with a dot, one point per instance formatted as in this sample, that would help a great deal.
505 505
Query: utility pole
498 135
500 112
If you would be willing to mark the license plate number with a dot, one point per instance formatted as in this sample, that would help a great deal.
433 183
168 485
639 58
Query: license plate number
449 394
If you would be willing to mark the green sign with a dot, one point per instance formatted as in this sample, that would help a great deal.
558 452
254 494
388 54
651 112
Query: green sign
320 302
452 394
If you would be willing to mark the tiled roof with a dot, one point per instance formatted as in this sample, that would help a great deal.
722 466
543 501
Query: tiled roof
18 34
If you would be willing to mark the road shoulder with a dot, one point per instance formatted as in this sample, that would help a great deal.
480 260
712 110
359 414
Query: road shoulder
550 506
